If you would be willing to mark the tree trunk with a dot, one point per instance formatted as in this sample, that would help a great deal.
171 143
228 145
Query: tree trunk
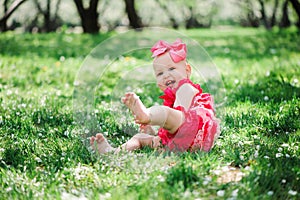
47 24
8 11
263 15
88 16
285 21
273 19
134 19
296 6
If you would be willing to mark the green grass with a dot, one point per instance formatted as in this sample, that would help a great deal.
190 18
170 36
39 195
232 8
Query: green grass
42 154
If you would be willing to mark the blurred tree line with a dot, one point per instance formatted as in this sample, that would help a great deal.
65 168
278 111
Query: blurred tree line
106 15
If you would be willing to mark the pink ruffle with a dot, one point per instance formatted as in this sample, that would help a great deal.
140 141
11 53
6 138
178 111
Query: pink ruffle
200 128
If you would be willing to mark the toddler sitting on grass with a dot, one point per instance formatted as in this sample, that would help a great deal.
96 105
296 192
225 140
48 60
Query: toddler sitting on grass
187 118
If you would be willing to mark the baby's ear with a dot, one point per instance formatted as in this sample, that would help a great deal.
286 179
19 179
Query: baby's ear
188 69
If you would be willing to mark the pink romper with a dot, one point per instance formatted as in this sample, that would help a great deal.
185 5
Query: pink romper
200 128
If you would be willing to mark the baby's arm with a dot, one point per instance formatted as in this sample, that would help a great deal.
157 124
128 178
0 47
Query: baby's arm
185 95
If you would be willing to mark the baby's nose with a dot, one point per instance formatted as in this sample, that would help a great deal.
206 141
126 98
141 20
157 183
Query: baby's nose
166 74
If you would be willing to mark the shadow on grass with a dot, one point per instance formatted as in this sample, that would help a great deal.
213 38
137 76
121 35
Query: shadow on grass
273 88
49 45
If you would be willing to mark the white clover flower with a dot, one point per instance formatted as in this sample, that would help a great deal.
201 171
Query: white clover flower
9 92
160 178
221 193
285 145
278 155
235 193
292 192
270 193
266 98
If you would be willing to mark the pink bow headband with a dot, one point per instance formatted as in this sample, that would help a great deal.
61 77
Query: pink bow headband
177 50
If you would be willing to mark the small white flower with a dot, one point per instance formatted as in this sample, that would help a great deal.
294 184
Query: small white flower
38 159
292 192
235 193
278 155
287 155
270 193
9 92
221 193
266 98
242 157
207 180
62 59
283 181
160 178
285 145
279 149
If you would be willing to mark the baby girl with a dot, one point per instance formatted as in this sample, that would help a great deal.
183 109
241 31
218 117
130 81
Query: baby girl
187 118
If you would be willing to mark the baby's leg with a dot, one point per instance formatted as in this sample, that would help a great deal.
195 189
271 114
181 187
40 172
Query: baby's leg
166 117
100 144
162 116
141 140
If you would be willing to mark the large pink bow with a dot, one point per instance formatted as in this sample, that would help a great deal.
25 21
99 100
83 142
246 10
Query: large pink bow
177 50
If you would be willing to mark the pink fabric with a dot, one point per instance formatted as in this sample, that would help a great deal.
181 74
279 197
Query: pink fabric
200 128
177 50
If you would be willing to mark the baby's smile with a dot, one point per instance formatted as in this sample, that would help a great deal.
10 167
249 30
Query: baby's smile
170 83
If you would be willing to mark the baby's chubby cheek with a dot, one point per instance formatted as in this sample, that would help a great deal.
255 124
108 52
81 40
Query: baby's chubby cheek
161 87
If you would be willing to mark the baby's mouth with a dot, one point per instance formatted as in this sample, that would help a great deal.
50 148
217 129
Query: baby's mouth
170 83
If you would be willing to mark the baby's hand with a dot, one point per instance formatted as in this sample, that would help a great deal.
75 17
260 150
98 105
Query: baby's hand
147 129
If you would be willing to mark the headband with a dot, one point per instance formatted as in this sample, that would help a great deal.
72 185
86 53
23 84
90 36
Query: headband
177 50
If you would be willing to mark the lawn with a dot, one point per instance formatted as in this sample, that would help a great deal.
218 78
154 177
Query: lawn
42 151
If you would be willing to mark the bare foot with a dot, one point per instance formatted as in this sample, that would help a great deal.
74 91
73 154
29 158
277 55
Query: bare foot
100 144
140 112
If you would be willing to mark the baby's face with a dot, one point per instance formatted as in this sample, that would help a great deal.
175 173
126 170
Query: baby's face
167 73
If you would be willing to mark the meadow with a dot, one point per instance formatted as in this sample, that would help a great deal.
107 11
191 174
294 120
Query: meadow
257 156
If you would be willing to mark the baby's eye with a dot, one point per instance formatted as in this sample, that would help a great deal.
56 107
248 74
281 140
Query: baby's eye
171 68
159 74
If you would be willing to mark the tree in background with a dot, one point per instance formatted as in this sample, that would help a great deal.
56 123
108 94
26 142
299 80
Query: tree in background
285 20
199 13
51 20
88 16
134 19
269 22
8 11
268 13
296 6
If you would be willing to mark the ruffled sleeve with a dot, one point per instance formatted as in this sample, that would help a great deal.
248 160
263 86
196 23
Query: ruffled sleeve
170 95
